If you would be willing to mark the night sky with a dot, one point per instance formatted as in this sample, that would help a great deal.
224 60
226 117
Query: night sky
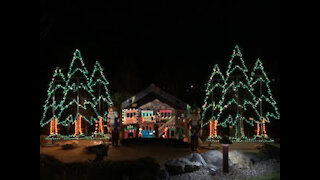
167 43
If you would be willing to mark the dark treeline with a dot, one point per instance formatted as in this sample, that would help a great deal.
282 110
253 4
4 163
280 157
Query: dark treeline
167 43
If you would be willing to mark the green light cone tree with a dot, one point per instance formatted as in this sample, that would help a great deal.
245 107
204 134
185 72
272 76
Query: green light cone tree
212 103
78 97
51 107
238 95
99 83
265 104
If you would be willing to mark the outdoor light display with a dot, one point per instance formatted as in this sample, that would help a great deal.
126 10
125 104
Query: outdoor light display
147 116
54 127
213 129
166 114
78 127
258 129
266 104
238 98
130 131
100 127
75 96
129 116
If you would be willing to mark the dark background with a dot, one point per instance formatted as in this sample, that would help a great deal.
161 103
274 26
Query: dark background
170 44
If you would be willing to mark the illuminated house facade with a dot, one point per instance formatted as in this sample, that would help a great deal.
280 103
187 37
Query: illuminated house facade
153 113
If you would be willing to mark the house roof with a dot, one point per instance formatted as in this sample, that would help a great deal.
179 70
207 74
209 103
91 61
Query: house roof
151 93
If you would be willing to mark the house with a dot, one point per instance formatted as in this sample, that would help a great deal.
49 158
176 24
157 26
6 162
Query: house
153 113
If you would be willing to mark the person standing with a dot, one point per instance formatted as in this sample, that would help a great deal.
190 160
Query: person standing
115 135
195 116
114 125
194 138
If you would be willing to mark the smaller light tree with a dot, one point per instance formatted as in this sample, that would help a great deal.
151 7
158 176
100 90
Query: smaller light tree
51 106
99 84
265 103
214 94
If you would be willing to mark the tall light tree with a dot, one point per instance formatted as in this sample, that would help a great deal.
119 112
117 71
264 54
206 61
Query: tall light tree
77 101
238 96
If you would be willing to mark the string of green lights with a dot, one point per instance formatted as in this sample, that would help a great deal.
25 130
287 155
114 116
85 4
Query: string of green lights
69 87
238 93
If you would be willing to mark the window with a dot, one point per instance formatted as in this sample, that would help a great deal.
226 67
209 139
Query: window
166 113
147 113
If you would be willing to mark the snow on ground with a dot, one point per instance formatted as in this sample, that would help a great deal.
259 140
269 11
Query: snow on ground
259 169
